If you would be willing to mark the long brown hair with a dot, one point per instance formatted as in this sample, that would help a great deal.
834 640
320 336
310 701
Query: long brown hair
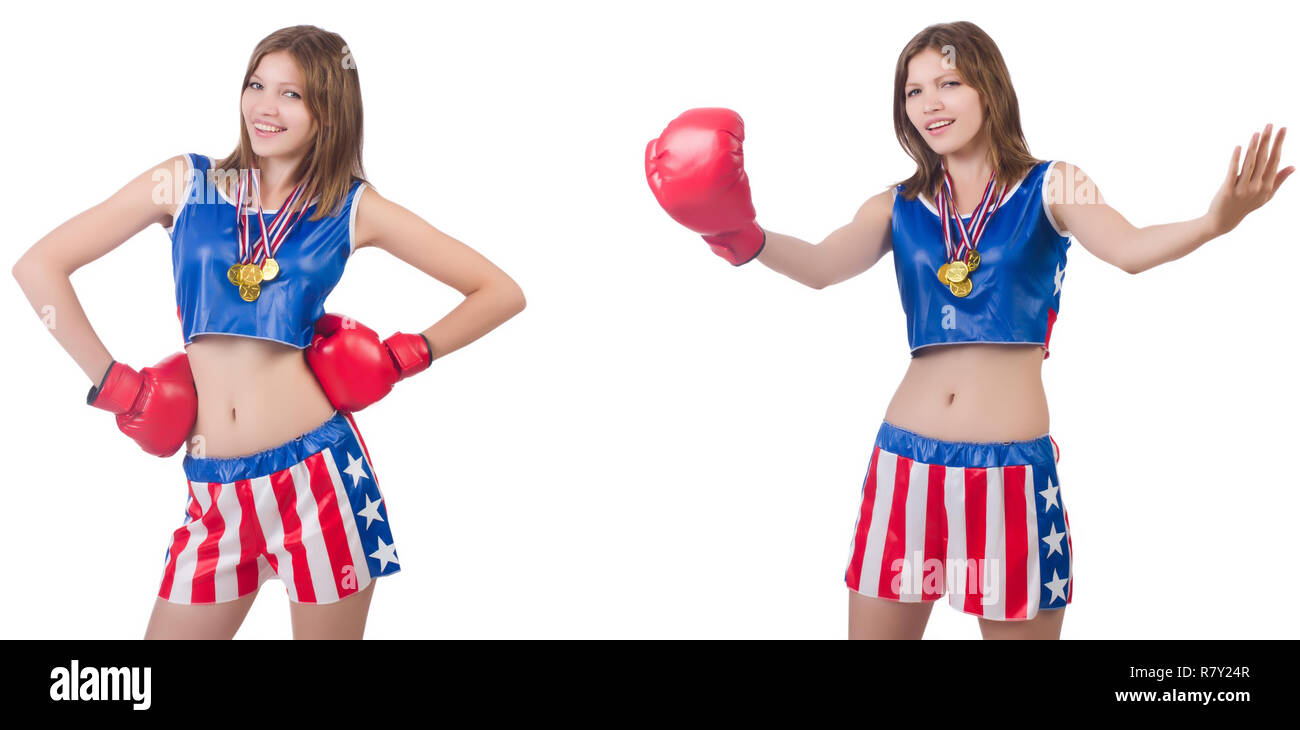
979 64
333 96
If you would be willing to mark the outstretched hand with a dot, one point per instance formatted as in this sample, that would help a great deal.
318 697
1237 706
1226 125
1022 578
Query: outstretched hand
1252 186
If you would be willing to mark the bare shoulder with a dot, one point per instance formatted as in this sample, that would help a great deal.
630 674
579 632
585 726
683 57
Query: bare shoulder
171 181
884 198
381 223
877 208
1067 193
1067 183
372 209
1056 175
874 218
154 195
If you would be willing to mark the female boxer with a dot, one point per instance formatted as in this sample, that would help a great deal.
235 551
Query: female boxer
280 483
961 493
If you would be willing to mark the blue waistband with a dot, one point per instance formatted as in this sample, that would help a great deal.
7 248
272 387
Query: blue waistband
986 454
271 460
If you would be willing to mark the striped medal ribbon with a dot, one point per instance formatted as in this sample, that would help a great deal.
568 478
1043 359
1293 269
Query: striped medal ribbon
257 263
955 274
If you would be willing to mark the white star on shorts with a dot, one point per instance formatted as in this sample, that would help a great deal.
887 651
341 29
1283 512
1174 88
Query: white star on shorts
356 469
1053 539
1057 586
371 512
385 554
1049 496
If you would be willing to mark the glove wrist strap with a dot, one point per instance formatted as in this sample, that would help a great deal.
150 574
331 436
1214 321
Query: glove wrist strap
739 247
411 353
117 391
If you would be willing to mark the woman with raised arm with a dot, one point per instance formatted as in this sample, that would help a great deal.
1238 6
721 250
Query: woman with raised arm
961 493
280 481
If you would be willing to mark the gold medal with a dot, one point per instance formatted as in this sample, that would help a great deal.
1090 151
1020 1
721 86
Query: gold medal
250 275
957 272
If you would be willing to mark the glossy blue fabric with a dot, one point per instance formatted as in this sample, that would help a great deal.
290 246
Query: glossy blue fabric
976 454
1016 292
334 432
204 245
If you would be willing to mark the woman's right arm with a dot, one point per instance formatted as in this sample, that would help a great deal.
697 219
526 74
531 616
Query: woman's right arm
44 271
847 252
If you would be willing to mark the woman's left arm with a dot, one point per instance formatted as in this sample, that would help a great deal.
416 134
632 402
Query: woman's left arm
491 296
1077 205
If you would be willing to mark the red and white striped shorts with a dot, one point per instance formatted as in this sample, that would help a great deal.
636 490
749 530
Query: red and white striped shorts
308 511
983 521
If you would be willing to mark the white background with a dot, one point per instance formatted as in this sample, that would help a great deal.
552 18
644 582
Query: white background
661 445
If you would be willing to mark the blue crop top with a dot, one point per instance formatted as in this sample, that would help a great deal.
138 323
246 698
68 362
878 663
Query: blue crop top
1017 286
204 245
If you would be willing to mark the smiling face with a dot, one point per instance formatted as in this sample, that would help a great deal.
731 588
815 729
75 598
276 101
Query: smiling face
936 93
275 113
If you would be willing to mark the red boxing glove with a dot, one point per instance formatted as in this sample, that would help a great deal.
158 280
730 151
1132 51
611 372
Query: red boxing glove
696 170
156 406
354 368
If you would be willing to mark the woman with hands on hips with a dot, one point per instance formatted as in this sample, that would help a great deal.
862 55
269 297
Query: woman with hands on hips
280 482
962 493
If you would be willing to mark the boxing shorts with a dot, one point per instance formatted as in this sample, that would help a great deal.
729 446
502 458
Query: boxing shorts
308 511
982 521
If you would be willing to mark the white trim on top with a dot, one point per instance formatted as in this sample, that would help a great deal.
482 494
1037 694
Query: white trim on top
352 219
1047 209
189 187
928 206
988 342
247 210
190 341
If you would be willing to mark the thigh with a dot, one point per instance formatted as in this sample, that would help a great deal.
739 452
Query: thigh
1046 625
881 618
198 621
342 619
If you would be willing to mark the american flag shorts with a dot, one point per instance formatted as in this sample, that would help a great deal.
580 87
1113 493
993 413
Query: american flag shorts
983 521
308 511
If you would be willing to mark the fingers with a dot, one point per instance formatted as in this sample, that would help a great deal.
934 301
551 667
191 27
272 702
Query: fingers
1277 182
1274 158
1248 169
1261 154
1232 167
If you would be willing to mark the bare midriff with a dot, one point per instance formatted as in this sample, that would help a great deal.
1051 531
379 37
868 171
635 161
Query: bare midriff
253 395
973 392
